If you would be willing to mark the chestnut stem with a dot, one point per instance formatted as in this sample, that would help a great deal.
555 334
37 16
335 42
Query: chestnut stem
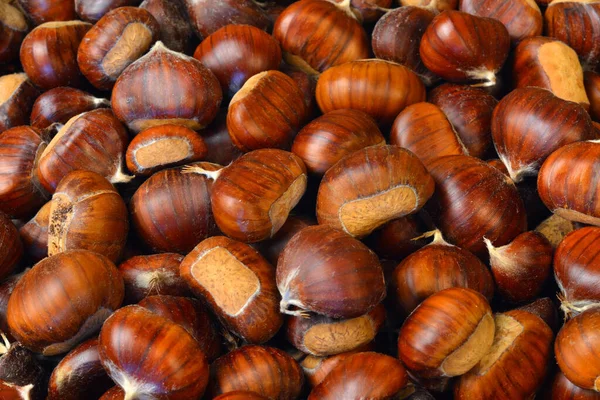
438 238
6 346
572 309
285 303
194 169
121 177
346 6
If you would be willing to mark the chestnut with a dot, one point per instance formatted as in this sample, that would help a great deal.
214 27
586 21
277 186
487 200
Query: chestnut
461 47
317 368
271 248
60 104
170 88
84 288
555 228
567 185
186 221
175 29
93 10
310 30
564 389
469 110
380 88
240 395
307 84
524 134
329 138
435 6
164 146
221 149
368 10
34 234
119 38
11 250
326 271
87 213
545 309
49 54
238 284
79 375
363 375
266 112
549 64
192 316
17 95
266 371
521 267
13 28
115 393
575 350
399 238
515 366
397 35
472 200
436 267
40 11
21 375
591 80
7 286
235 53
134 342
371 187
323 336
447 334
522 18
94 141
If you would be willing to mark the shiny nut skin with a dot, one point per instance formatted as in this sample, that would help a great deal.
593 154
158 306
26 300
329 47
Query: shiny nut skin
564 389
40 11
94 10
175 29
6 287
17 95
11 250
591 81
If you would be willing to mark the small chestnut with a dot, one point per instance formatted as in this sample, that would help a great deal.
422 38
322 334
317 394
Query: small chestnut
221 149
399 238
17 95
591 80
435 6
368 10
317 368
40 11
176 30
34 234
272 248
11 247
13 28
94 10
240 395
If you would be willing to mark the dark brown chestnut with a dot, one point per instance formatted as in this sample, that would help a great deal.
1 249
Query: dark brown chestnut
94 10
221 149
34 234
13 28
40 11
6 287
319 261
17 95
546 310
368 10
85 288
11 249
240 395
272 248
435 6
564 389
175 28
399 238
21 375
591 81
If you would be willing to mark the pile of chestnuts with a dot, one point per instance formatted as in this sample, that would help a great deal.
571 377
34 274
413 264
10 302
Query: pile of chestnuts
299 199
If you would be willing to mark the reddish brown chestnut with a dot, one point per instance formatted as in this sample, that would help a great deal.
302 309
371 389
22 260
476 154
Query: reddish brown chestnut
17 95
546 310
49 54
380 88
115 393
240 395
317 368
34 234
591 81
564 389
94 10
447 334
13 28
175 29
248 303
40 11
6 287
119 38
221 149
134 342
371 187
171 88
263 370
11 249
319 261
235 53
272 248
435 6
368 10
85 288
398 238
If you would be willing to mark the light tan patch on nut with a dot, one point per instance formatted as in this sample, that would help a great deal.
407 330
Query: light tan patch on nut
507 330
280 209
12 17
339 337
561 65
9 84
135 40
162 152
61 215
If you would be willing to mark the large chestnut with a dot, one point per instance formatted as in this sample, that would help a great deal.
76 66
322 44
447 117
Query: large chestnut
170 88
447 334
40 11
17 95
150 356
11 249
238 284
175 28
13 28
94 10
326 271
63 299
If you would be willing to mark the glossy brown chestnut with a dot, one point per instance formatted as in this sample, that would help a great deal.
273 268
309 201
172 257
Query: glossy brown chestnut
522 18
94 10
170 88
397 36
447 334
40 11
13 28
88 213
238 284
516 364
567 185
240 395
462 182
115 393
192 315
21 375
307 84
266 371
317 368
524 134
555 228
6 287
521 267
549 64
591 81
11 250
323 336
94 141
272 248
82 298
436 267
329 138
134 341
546 310
460 47
221 149
370 187
368 10
235 53
564 389
119 38
164 146
380 88
320 260
310 30
17 95
171 211
398 238
49 54
34 234
469 110
175 29
435 6
60 104
384 378
267 112
79 375
574 350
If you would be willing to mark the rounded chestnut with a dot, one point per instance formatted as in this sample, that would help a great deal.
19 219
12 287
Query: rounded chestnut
176 30
93 10
447 334
119 38
40 11
115 393
84 288
17 95
564 389
221 149
317 368
7 286
399 238
170 88
34 234
320 261
368 10
11 249
272 248
591 80
436 6
546 310
13 28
